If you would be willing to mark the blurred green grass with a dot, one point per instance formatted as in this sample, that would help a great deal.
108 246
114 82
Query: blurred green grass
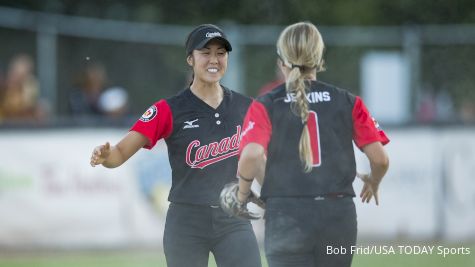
147 258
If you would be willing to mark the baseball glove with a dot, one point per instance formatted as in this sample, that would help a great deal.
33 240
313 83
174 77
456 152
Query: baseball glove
231 204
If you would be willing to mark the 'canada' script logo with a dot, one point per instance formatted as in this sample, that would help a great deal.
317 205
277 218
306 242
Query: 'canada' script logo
198 156
249 127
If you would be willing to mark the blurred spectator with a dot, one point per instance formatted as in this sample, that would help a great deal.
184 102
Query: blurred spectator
426 109
84 99
19 98
92 98
444 106
2 91
467 110
435 106
113 102
279 79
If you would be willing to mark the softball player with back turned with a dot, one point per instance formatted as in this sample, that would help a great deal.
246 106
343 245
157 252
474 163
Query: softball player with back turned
306 128
201 126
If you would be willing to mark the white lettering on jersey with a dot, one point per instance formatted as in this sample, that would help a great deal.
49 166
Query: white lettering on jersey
249 127
312 97
198 156
376 124
189 124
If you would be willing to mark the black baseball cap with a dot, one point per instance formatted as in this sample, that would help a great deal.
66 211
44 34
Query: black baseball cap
201 35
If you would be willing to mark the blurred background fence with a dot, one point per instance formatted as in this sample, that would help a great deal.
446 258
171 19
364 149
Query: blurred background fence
148 60
416 79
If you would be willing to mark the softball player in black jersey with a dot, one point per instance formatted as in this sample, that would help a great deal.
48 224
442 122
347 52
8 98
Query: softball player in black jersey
303 133
201 126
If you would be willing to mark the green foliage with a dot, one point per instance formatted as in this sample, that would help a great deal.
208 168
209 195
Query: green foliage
280 12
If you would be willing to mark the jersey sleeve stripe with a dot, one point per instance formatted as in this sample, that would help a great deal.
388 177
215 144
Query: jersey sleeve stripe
365 128
155 126
257 126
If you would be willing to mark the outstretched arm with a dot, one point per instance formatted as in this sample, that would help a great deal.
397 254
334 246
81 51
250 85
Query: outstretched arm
114 156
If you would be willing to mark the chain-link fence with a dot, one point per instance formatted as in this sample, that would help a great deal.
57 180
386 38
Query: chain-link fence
148 61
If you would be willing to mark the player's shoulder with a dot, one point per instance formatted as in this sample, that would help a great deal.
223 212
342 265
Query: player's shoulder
169 102
181 94
277 93
179 99
236 97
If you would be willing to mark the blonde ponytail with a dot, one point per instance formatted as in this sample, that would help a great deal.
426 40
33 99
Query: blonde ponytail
300 47
296 85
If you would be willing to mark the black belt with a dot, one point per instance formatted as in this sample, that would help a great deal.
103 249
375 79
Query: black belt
316 197
332 196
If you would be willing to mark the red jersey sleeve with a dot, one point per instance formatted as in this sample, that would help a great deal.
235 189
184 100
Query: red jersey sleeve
365 128
156 123
257 126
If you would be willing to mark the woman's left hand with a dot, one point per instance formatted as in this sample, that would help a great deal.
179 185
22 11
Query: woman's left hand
370 188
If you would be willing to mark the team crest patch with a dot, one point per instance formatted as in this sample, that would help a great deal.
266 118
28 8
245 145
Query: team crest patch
149 114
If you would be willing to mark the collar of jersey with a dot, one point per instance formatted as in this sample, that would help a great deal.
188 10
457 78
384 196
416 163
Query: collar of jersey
222 106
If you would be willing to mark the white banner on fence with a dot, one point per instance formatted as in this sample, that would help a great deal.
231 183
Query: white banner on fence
429 190
51 196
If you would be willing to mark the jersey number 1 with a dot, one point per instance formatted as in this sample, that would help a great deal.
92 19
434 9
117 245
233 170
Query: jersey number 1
312 124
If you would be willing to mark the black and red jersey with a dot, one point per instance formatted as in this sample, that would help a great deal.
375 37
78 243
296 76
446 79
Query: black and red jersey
336 119
202 142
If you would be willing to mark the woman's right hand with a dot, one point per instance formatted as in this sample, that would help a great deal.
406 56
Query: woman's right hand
100 154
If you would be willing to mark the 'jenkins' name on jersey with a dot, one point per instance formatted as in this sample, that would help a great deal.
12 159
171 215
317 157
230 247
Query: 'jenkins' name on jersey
312 97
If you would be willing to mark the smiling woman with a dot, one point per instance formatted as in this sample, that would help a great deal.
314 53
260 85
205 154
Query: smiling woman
201 126
207 53
209 66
